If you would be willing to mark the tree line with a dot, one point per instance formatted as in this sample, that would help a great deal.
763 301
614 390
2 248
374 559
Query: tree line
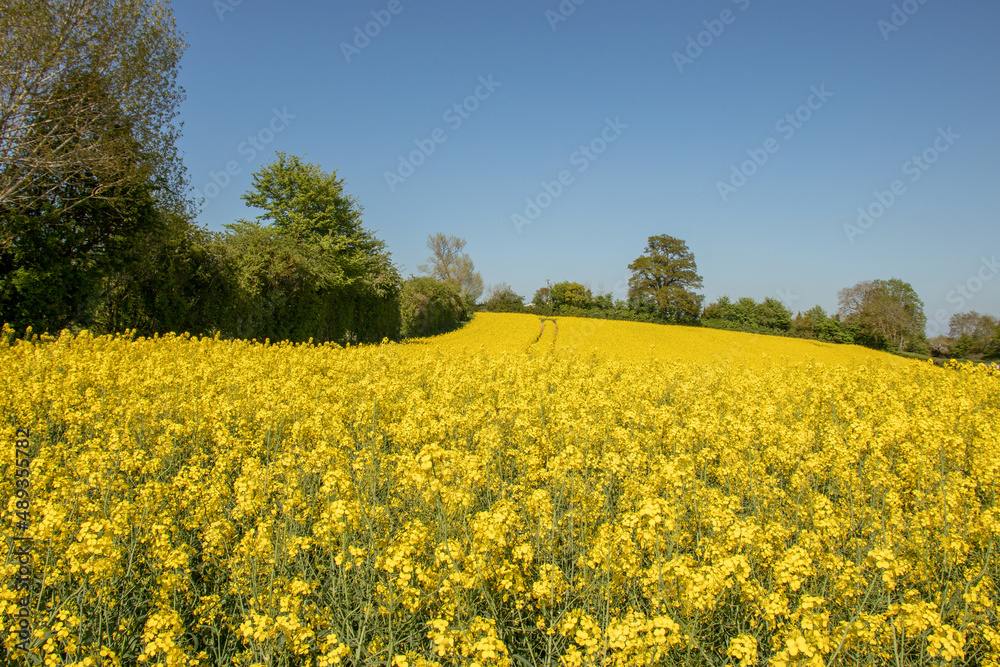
881 314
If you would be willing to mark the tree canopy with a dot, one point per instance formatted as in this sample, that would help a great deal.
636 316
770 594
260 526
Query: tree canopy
887 313
665 276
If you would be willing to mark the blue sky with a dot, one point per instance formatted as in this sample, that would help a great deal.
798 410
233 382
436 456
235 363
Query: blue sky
753 131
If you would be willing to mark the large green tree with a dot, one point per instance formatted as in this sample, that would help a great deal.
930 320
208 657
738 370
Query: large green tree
306 267
665 277
887 314
570 295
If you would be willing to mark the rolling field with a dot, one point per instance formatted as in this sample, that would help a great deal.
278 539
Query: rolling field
587 493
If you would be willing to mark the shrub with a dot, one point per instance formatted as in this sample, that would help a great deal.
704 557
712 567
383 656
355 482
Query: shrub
429 306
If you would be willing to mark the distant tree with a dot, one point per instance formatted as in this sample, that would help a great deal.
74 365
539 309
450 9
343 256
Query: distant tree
807 324
721 309
940 346
772 314
745 312
541 298
886 313
448 262
975 331
570 295
665 277
501 298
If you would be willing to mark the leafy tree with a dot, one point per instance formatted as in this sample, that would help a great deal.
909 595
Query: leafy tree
721 309
745 312
886 313
768 316
501 298
665 277
306 267
173 278
807 325
772 314
58 240
974 330
570 295
448 262
542 300
71 70
303 203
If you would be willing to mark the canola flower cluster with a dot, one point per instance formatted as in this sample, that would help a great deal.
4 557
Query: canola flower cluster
587 493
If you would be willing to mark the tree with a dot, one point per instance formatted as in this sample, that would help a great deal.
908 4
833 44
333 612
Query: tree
58 242
306 267
570 295
665 277
71 70
303 203
448 262
886 313
977 330
773 315
722 309
501 298
542 298
51 275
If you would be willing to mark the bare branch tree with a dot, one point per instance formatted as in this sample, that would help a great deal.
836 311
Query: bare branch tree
66 67
448 262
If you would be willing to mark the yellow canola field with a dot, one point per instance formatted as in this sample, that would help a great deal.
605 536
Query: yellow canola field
501 495
639 341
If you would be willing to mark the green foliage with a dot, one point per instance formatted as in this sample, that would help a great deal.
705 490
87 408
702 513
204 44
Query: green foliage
502 298
313 271
174 278
84 83
569 295
429 306
971 336
665 277
53 270
767 317
887 314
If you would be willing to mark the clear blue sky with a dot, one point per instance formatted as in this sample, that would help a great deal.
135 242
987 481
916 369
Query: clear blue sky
670 100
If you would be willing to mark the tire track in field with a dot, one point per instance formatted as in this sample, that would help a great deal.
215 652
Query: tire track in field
541 332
